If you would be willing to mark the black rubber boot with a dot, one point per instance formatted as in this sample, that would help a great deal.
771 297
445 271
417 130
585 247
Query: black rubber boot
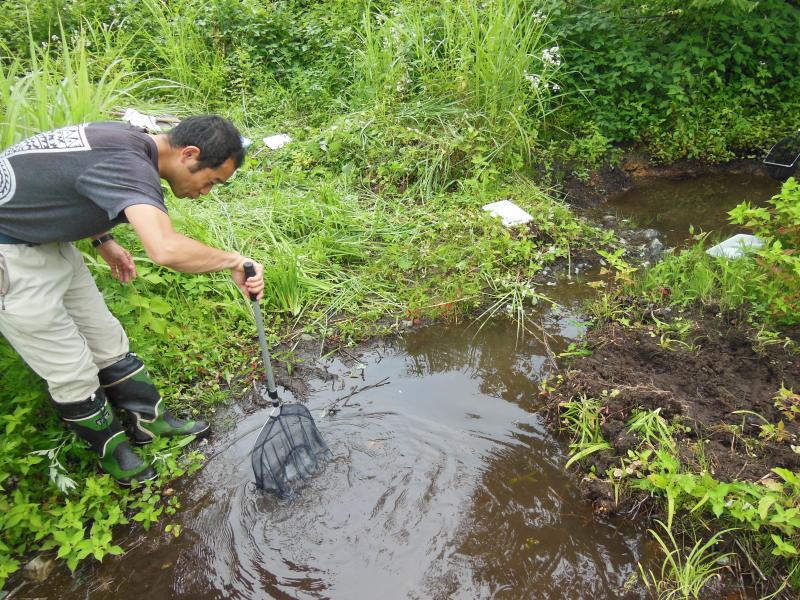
94 421
128 386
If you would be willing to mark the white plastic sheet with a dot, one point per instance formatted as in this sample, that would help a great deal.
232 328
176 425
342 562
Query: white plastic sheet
274 142
736 246
137 119
510 213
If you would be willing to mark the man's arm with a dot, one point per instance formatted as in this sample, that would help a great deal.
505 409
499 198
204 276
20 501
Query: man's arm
171 249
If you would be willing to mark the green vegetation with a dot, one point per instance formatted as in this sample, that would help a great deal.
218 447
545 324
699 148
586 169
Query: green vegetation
581 417
685 79
683 577
406 117
764 289
768 285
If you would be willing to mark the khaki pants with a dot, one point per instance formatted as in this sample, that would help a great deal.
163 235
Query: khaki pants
56 319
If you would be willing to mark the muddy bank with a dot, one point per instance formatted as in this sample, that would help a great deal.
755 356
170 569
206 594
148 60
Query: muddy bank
700 382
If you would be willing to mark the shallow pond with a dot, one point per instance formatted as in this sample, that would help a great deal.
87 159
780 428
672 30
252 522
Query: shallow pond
444 482
671 206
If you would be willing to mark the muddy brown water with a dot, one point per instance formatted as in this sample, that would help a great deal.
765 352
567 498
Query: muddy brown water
671 206
444 484
444 481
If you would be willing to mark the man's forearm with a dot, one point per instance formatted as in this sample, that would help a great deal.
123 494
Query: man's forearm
187 255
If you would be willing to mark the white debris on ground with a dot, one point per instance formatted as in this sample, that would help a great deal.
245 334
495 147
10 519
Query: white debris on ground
137 119
736 246
510 213
274 142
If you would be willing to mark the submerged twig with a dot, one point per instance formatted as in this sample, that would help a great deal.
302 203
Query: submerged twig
550 356
333 407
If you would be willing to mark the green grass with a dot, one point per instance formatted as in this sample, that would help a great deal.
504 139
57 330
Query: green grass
652 428
181 52
684 574
582 419
493 61
82 79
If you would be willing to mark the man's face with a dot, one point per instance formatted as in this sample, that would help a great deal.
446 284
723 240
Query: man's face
190 181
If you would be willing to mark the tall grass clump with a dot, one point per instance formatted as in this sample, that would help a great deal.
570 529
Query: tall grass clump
14 90
684 575
80 79
315 245
183 54
582 417
492 58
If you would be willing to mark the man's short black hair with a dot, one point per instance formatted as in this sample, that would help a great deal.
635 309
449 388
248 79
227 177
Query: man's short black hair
217 138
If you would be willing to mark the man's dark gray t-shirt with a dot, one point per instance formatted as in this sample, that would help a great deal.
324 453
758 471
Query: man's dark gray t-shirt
75 182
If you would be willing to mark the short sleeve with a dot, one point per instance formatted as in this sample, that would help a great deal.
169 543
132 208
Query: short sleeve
120 181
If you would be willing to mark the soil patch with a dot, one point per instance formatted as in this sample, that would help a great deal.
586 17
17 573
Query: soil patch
701 382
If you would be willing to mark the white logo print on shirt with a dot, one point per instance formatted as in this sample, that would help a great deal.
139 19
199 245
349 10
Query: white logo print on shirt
66 139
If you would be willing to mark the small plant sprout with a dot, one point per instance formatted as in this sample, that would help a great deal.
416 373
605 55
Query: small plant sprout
56 471
684 576
651 428
672 333
788 402
769 431
622 270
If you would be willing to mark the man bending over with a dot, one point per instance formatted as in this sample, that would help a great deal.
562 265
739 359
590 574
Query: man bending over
79 182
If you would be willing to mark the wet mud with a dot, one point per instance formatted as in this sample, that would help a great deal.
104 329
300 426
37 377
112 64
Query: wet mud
717 371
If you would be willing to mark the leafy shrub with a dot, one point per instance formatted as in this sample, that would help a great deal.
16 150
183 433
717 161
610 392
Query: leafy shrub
686 80
774 288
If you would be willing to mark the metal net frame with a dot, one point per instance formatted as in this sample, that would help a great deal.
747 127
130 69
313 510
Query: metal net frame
781 161
289 450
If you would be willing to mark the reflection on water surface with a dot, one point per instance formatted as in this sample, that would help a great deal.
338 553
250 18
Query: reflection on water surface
672 206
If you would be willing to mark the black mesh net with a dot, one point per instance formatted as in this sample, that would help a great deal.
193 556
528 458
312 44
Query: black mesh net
288 450
782 158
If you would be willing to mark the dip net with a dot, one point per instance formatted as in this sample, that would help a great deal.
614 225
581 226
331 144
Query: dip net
781 161
289 450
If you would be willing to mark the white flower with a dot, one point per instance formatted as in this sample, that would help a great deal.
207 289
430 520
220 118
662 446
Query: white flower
551 56
534 79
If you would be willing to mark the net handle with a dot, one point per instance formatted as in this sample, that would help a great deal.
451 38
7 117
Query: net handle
272 391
